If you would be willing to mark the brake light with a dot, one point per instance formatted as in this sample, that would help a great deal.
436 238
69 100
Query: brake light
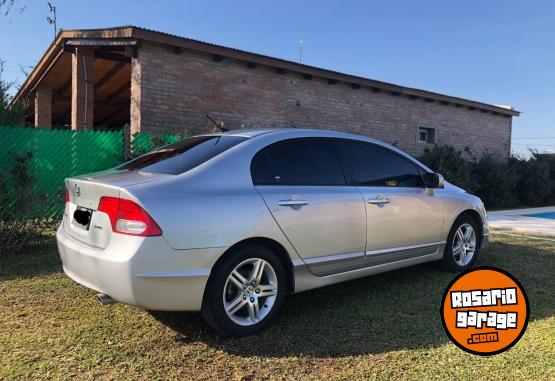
128 217
67 196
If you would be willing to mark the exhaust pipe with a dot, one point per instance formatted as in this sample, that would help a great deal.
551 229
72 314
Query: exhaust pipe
105 299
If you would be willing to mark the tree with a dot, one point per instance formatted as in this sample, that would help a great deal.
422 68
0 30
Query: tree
9 115
8 6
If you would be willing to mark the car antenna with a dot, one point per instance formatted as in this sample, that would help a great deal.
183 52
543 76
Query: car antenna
218 124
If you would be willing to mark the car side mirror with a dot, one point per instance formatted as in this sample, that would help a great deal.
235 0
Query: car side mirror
433 180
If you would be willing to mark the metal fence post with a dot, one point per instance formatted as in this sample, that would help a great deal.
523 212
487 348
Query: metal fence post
127 142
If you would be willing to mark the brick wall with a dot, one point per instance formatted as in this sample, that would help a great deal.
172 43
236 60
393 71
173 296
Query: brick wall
177 90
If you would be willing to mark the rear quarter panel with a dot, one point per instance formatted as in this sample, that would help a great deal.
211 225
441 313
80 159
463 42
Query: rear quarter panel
213 205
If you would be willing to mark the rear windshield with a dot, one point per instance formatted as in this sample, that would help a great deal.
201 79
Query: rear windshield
182 156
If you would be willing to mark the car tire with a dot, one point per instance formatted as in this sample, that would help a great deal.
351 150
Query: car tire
462 246
245 291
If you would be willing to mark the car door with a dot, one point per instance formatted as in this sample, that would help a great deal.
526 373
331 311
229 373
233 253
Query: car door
304 187
404 219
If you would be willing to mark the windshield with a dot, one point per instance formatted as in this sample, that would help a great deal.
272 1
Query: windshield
182 156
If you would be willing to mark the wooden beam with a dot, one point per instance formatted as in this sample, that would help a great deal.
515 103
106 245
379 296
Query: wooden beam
112 72
111 56
119 90
130 51
100 102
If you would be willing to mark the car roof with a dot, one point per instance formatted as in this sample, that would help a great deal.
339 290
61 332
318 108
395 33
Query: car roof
297 132
251 133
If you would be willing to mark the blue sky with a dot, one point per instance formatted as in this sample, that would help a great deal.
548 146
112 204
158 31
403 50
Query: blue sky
499 52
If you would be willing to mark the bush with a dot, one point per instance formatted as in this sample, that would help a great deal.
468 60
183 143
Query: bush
20 228
533 185
516 182
495 182
451 164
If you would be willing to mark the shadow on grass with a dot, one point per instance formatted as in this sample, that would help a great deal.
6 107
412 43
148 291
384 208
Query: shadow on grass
30 260
398 310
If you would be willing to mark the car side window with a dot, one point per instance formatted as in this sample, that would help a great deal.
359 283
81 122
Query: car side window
298 162
373 165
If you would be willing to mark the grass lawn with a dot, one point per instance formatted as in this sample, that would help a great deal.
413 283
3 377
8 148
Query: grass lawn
385 326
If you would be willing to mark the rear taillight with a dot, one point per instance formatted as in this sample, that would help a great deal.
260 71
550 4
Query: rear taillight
128 217
67 196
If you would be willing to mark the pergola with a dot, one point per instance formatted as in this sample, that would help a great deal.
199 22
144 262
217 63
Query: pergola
83 81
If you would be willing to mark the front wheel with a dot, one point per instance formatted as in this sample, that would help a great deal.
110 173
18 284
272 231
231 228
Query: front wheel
245 292
461 248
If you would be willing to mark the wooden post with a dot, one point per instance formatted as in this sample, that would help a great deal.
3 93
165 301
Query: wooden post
127 142
82 89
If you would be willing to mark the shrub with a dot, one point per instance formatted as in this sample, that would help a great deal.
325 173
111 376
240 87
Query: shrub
499 183
533 185
450 163
495 182
20 228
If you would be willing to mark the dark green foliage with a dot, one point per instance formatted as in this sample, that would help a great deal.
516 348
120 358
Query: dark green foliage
495 182
144 142
9 115
451 164
19 227
499 183
533 185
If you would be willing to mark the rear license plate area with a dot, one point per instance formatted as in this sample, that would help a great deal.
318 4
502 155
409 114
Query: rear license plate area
82 217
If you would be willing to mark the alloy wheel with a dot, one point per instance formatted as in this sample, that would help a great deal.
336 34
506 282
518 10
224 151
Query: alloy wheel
464 245
250 291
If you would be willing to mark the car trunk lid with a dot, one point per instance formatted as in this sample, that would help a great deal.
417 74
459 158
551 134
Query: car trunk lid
82 219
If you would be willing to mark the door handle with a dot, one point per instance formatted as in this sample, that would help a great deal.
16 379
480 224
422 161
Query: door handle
292 202
378 201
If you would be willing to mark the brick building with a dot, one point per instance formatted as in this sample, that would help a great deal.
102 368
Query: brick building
156 82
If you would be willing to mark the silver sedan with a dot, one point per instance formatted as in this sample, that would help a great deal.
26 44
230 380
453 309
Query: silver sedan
228 224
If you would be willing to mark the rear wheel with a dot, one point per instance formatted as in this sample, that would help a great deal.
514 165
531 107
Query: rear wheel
245 291
461 248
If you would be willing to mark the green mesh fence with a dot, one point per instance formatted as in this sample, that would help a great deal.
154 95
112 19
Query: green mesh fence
144 142
35 162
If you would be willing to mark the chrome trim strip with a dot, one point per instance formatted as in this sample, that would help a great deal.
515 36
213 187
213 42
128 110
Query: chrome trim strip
341 263
176 274
403 248
306 280
336 257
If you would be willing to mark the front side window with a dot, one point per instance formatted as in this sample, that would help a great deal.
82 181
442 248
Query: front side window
184 155
373 165
298 162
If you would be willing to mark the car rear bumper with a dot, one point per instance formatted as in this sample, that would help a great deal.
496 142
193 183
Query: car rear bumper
140 271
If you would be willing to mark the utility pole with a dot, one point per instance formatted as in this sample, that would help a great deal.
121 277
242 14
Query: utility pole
52 18
301 51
